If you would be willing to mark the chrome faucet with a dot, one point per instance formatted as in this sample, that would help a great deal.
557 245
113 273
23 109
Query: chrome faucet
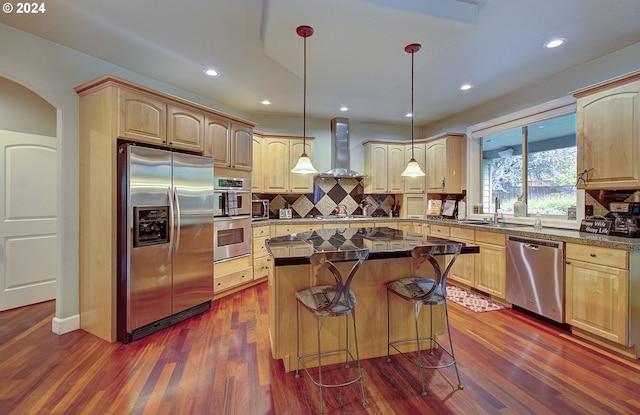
497 215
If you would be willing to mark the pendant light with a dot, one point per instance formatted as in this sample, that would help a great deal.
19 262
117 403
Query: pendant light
304 165
413 168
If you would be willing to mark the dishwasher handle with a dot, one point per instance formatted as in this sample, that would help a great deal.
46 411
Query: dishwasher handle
533 243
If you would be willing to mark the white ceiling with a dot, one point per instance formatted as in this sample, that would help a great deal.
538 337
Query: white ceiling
356 56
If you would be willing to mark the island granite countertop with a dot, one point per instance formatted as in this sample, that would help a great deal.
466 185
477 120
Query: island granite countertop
382 243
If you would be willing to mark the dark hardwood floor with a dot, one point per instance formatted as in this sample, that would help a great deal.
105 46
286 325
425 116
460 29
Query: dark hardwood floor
220 363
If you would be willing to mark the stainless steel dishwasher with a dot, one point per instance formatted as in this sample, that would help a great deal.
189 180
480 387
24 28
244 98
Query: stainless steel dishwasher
535 276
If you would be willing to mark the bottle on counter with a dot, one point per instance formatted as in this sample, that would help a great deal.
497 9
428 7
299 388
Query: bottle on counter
537 225
520 208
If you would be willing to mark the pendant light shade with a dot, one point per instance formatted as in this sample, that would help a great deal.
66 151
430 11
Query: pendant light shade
413 168
304 165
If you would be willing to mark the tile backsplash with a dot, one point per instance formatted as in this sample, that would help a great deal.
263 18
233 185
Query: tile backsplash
327 194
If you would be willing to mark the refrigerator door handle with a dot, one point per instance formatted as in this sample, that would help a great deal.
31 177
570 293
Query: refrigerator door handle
172 224
176 201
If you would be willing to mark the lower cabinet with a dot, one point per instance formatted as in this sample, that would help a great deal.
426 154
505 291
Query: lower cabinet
491 263
464 269
231 274
259 249
597 291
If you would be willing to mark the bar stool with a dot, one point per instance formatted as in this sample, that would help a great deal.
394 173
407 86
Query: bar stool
420 291
331 301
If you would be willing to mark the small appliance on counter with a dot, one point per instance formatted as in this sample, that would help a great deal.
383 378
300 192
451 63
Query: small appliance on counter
285 213
259 209
627 219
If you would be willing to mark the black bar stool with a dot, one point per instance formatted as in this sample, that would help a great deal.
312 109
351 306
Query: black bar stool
421 291
332 301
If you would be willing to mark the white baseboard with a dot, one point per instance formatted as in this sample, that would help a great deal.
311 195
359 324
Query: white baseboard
65 325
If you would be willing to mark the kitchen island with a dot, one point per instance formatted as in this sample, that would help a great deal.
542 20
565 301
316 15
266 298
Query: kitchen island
389 259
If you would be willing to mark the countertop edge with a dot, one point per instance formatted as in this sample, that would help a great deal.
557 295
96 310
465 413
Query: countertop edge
552 234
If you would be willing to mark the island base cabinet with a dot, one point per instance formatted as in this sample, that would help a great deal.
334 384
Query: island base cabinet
369 287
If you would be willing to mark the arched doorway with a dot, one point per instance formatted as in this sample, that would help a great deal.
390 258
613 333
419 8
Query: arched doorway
28 207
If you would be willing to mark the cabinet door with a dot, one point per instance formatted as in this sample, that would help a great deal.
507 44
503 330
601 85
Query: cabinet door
376 180
241 148
217 141
415 184
257 172
141 117
300 183
491 270
276 165
608 131
597 299
395 167
436 154
185 128
444 165
464 269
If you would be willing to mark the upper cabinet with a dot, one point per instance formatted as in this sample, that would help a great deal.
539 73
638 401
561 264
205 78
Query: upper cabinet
415 184
185 128
440 157
141 117
257 173
608 134
383 165
229 144
444 163
279 154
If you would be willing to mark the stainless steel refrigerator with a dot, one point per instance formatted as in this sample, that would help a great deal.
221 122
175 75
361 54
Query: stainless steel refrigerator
165 239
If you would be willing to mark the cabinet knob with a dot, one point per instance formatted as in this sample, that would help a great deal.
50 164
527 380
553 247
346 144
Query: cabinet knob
592 255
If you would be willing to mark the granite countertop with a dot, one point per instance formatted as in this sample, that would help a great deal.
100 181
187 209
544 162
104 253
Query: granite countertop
554 234
382 243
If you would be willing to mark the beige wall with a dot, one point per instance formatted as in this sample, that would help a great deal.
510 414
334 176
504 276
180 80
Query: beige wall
24 111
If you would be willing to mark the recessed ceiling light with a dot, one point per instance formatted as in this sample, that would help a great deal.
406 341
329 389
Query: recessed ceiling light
211 72
343 108
266 102
408 115
465 87
554 43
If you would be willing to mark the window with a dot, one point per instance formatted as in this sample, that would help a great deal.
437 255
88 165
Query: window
529 156
536 163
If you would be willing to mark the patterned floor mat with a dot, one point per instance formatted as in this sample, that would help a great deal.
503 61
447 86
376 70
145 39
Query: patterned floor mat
472 301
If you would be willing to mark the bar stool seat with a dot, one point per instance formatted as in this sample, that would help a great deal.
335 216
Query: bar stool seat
331 301
425 291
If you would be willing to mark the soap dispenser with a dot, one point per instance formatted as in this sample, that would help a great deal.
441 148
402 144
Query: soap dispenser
520 208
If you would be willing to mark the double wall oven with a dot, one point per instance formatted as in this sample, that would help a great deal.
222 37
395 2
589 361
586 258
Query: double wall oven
232 218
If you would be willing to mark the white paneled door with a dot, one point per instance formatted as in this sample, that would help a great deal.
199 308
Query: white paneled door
28 216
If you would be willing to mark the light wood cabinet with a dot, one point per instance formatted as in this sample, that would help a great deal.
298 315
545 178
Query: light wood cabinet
464 269
185 128
608 134
444 164
491 263
290 229
415 184
230 274
230 144
110 109
383 165
257 173
279 156
146 118
141 117
597 291
259 250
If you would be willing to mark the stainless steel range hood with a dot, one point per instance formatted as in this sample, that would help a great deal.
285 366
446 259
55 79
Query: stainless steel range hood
340 151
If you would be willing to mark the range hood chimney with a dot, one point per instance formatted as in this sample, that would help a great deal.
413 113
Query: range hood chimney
340 151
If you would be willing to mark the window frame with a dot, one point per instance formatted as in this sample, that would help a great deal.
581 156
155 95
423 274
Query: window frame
538 113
